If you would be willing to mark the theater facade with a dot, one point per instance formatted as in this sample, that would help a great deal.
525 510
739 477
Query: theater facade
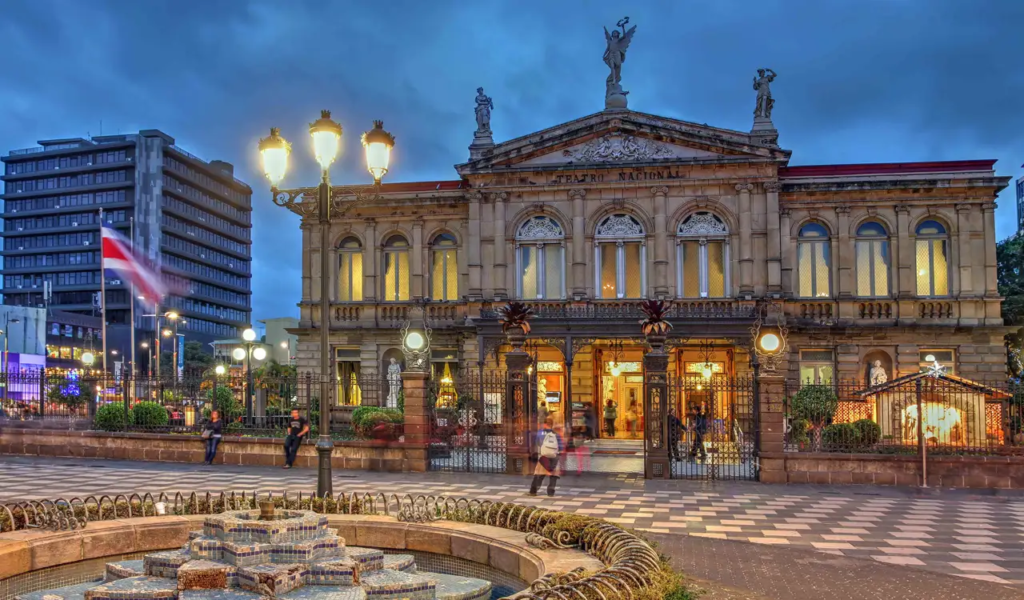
889 266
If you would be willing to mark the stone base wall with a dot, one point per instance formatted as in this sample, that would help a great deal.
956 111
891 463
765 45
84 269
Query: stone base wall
992 472
361 455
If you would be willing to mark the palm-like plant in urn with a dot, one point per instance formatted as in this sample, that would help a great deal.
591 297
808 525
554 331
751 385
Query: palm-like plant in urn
655 324
515 323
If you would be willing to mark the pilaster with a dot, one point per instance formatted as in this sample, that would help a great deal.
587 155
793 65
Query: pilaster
473 247
841 254
774 238
371 259
771 427
991 279
661 249
500 246
746 240
417 420
579 250
416 260
907 280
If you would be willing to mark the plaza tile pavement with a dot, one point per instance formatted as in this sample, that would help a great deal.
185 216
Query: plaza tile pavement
972 536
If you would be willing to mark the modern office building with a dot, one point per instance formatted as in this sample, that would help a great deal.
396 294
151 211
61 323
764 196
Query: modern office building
192 217
281 341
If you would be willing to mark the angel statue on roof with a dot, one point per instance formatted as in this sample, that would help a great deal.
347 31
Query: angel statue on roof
615 53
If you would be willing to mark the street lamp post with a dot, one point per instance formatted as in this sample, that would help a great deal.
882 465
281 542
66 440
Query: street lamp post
318 202
218 371
248 351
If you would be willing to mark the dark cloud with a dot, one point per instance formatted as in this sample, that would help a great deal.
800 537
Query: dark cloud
859 81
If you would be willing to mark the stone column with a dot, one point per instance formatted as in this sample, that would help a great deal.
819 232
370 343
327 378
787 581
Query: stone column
965 256
370 260
661 289
771 425
473 248
416 260
657 463
907 280
417 421
841 254
520 397
746 241
788 250
579 250
989 223
500 254
774 238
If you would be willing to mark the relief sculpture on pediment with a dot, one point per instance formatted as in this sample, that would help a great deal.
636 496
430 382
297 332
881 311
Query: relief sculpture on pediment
619 148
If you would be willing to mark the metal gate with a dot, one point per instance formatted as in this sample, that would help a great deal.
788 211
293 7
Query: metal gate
713 428
466 422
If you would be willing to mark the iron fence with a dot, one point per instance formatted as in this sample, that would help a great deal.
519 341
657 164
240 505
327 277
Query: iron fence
467 422
945 414
713 427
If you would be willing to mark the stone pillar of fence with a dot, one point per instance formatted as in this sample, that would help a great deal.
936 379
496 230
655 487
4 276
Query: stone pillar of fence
518 417
771 391
656 456
417 420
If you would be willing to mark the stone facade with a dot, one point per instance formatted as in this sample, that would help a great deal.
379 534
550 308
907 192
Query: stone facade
710 218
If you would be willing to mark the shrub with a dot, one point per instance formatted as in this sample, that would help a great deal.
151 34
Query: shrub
869 432
798 431
148 414
66 392
110 417
230 408
365 418
841 436
817 404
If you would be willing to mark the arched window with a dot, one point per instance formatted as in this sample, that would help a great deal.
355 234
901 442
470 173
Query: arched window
814 262
444 271
350 270
932 264
872 260
702 257
396 269
620 258
540 259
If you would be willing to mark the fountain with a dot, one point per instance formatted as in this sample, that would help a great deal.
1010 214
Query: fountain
288 554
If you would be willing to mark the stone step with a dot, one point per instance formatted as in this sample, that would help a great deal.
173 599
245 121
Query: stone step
386 584
165 564
455 587
227 594
206 575
272 580
135 588
71 592
125 568
368 559
246 554
333 571
322 593
400 562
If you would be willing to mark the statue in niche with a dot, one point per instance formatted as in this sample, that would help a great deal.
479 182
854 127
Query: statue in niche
394 383
763 108
484 106
878 376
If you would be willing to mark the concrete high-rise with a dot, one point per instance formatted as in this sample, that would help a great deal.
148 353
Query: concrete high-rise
191 216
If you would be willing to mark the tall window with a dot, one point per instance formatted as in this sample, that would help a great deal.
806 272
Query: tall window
396 269
540 259
444 271
872 260
932 265
816 366
702 257
945 358
620 258
350 270
814 259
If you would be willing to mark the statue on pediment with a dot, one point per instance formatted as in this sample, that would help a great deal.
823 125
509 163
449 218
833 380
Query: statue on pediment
484 106
614 56
763 107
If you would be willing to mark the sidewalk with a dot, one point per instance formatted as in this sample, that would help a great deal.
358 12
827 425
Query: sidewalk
976 541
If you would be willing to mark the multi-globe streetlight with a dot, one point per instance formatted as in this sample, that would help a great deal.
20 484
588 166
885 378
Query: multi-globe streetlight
319 202
248 351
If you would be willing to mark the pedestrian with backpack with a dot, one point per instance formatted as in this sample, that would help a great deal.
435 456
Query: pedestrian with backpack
549 449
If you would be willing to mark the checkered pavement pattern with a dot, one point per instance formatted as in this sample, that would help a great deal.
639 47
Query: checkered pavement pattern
973 538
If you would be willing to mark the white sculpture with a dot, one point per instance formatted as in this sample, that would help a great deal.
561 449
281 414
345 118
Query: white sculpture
394 383
878 375
614 56
763 108
484 106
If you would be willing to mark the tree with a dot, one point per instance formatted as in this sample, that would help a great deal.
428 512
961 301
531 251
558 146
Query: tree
1010 274
197 360
279 380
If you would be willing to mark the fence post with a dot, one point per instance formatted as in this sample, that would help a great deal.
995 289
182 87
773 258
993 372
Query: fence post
656 456
771 425
42 393
518 433
127 403
417 420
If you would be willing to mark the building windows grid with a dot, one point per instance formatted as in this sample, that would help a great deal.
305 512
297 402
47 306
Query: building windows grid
814 262
183 189
350 271
702 257
620 258
444 269
396 269
932 262
817 367
873 260
540 259
65 200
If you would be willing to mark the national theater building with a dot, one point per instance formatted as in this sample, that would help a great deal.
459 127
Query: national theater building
870 262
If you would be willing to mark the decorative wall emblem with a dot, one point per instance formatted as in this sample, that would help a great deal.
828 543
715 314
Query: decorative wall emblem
540 228
702 224
619 226
619 148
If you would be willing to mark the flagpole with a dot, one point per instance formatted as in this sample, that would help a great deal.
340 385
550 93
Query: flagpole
131 222
103 297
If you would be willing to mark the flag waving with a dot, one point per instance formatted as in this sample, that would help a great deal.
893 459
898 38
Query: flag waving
117 255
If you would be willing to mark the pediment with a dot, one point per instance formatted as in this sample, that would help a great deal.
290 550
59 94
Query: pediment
620 148
621 138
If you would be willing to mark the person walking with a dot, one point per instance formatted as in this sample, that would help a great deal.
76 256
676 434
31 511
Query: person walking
549 450
582 452
298 428
212 433
700 427
675 432
632 416
611 412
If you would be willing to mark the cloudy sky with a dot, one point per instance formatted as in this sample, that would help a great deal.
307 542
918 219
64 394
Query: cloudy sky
859 81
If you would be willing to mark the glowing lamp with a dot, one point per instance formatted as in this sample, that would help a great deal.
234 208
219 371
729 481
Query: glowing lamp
238 354
88 358
326 134
930 358
172 316
616 370
249 335
770 342
378 144
167 333
284 344
259 353
706 372
275 151
219 369
414 340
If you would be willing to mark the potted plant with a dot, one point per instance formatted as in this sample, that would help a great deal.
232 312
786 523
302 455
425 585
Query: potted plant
655 325
515 323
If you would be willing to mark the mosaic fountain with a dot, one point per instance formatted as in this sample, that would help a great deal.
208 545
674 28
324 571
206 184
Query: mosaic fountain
249 554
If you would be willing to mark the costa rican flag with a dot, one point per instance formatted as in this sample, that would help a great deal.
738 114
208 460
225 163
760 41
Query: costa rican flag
118 256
